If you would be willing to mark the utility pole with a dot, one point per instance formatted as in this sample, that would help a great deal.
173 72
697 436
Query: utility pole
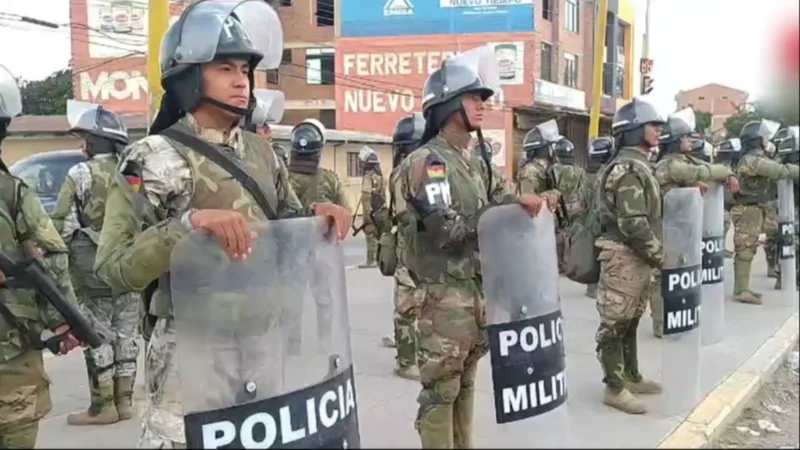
600 23
646 64
158 17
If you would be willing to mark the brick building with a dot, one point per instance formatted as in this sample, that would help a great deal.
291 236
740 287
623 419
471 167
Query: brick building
721 101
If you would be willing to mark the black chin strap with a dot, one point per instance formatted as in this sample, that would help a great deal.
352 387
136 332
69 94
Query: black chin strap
227 107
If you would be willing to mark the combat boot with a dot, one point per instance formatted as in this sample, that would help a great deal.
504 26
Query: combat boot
772 271
591 290
778 284
643 386
410 372
747 297
102 410
123 397
658 328
624 401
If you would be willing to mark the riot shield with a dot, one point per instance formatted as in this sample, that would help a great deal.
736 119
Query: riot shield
681 280
713 290
526 342
787 223
240 387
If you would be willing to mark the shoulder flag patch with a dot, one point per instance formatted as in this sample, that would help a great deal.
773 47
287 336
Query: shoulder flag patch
133 175
435 172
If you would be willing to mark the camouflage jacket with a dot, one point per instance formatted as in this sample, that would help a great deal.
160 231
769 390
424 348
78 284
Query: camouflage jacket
371 185
570 182
143 225
22 218
681 170
461 177
82 200
757 173
322 187
532 178
631 210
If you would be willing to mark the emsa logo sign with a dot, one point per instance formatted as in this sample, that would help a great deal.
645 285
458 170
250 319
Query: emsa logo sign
398 8
117 85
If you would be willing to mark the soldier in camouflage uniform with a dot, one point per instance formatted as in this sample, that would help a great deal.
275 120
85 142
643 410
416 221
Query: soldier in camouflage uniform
600 152
676 167
630 250
727 154
372 199
78 217
314 184
770 226
405 140
538 149
756 173
167 188
444 185
788 152
570 181
26 233
268 109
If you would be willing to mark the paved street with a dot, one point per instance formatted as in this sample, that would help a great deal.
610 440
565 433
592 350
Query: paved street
387 404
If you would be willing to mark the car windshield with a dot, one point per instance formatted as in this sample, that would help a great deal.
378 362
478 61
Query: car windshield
44 175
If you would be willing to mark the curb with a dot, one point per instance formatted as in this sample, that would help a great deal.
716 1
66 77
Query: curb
725 403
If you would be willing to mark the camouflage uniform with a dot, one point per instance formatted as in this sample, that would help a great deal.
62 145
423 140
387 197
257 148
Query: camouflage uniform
676 170
111 367
453 313
371 183
532 177
141 229
770 230
756 173
570 181
630 250
322 187
592 184
24 385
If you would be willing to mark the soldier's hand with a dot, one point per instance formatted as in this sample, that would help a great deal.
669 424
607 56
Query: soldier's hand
703 188
69 341
341 217
228 227
732 184
532 204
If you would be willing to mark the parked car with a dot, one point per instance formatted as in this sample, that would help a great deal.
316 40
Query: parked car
46 172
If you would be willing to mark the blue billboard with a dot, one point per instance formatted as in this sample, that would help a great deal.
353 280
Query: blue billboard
374 18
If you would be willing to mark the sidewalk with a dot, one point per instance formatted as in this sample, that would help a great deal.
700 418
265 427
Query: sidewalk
388 404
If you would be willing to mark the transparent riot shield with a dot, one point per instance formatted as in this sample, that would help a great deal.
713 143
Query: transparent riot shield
681 281
713 290
787 223
242 387
526 340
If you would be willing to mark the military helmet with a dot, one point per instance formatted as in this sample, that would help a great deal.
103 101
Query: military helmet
630 120
753 131
601 149
729 151
543 135
790 144
679 124
92 119
368 156
565 149
702 149
308 136
268 108
10 97
408 130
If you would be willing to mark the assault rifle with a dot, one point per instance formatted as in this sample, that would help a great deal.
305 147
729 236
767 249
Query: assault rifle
30 274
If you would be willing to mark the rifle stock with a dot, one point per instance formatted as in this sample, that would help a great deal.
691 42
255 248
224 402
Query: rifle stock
30 274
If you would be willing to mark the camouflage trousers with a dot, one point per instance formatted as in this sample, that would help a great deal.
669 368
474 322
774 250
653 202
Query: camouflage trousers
116 359
24 399
747 224
219 366
561 240
372 236
292 318
622 294
452 339
770 229
406 311
726 222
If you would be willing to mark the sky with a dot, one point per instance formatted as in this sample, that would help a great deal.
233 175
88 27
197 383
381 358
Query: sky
693 42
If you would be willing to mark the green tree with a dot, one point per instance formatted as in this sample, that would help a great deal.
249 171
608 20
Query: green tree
754 111
47 97
702 121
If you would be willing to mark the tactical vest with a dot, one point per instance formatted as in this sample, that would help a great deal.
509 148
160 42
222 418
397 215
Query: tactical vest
752 190
214 188
608 219
567 179
21 302
467 190
540 173
84 242
305 186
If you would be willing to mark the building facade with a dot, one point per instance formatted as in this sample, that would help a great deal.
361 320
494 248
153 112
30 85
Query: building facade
718 100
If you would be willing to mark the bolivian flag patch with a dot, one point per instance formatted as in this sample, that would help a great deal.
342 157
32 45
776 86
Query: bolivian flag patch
436 172
134 181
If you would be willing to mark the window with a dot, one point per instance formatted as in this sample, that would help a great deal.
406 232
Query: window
324 13
571 70
354 169
328 118
273 77
320 66
286 58
286 3
547 62
547 9
701 98
571 16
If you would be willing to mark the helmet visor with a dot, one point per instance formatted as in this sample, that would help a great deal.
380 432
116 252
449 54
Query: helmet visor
10 98
83 116
270 105
768 129
208 22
